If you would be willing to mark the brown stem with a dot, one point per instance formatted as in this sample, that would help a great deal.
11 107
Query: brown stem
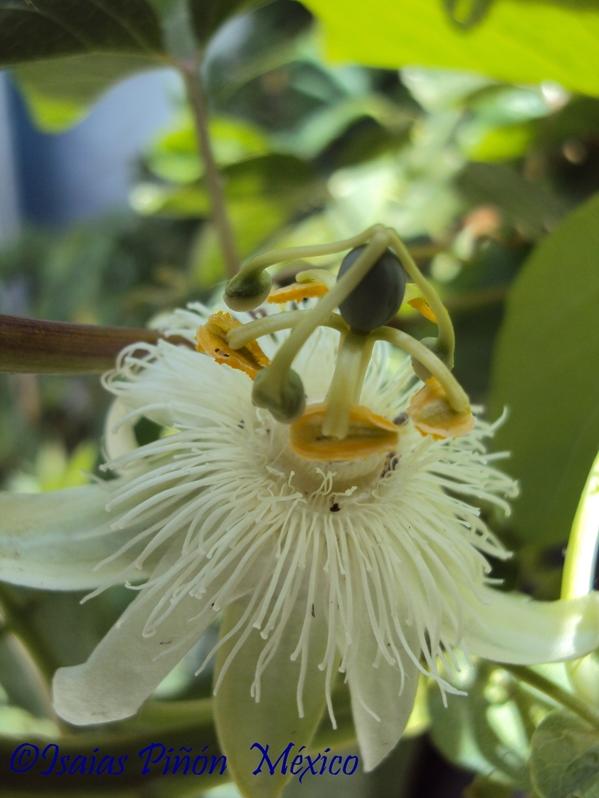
197 101
53 347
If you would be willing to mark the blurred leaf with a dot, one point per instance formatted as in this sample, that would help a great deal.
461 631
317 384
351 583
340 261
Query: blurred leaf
322 127
174 157
253 222
68 52
482 788
59 91
532 207
52 28
579 118
440 89
484 141
262 194
281 179
565 758
55 469
500 122
480 731
545 371
516 40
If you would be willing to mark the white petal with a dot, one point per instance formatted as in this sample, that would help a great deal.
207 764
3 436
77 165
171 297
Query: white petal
273 720
55 540
119 435
126 666
378 692
509 627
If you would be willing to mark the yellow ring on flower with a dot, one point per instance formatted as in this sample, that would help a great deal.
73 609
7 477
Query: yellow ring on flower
368 434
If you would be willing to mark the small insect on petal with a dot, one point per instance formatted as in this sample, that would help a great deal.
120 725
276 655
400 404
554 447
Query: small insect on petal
422 306
433 415
368 434
211 339
296 292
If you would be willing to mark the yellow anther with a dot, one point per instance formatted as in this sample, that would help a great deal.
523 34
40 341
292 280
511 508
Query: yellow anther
211 339
422 306
432 414
368 434
296 292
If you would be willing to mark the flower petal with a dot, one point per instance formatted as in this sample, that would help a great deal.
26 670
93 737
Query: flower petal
127 665
381 700
55 540
274 719
509 627
119 434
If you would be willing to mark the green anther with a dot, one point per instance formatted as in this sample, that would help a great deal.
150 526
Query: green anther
247 290
281 394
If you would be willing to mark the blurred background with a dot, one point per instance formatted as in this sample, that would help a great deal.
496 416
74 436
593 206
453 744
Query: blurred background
107 222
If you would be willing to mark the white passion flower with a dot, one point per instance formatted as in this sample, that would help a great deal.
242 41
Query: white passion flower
328 514
374 570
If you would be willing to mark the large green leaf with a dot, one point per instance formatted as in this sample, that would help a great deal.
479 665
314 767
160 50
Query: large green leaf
565 758
546 372
67 53
520 41
52 28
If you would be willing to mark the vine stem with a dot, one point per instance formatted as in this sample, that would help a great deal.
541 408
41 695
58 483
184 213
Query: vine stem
36 346
196 97
553 691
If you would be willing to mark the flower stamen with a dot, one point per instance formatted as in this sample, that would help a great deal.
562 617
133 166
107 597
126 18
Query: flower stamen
296 292
211 339
433 415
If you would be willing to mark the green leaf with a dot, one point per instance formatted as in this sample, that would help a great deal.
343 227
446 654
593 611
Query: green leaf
545 371
59 91
516 41
174 157
67 52
565 758
52 28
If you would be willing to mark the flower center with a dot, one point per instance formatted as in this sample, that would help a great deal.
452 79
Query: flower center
328 479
